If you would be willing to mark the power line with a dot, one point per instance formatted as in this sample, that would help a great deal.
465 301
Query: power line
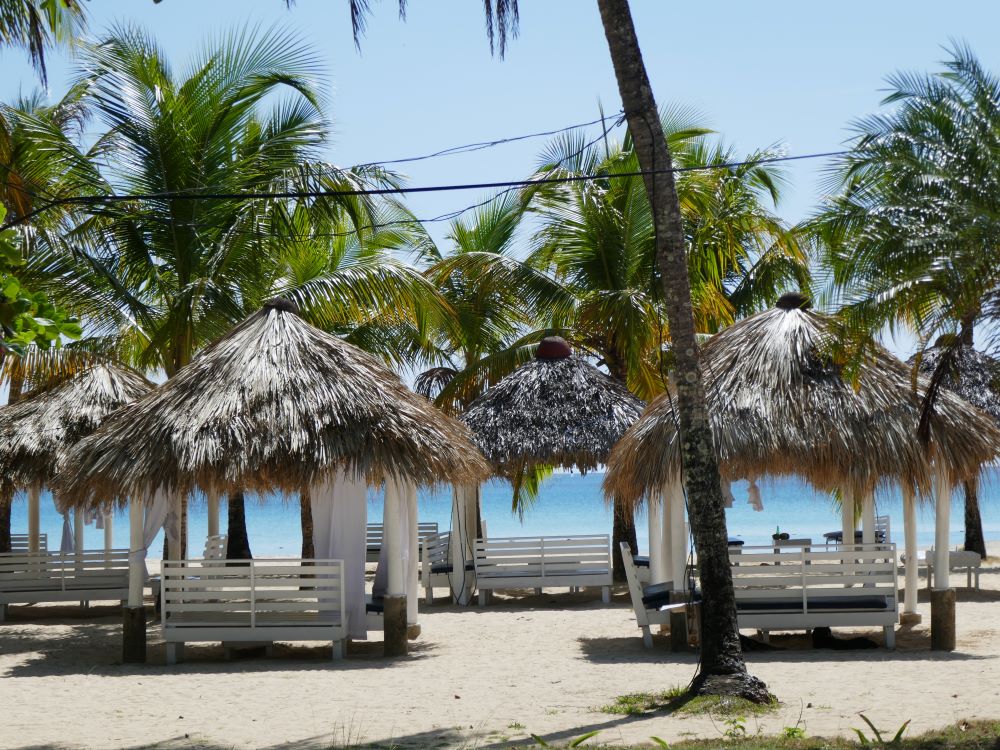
356 192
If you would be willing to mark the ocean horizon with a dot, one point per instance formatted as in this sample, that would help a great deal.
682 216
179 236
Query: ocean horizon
568 503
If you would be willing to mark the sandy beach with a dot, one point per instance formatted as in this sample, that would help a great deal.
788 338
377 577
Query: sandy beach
476 678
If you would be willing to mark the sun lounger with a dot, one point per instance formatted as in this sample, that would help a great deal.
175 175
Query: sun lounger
543 561
374 538
19 543
882 533
91 575
651 604
805 589
252 601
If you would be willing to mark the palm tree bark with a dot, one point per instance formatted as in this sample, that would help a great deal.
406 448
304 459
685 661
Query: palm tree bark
722 668
306 517
238 546
974 539
7 490
622 530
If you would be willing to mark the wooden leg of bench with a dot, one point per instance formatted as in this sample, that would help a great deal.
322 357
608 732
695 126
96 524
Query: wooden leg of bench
968 578
977 579
482 597
338 650
647 637
890 637
175 652
538 590
606 594
429 596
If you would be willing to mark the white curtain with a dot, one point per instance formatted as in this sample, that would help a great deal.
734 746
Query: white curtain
154 518
67 543
340 515
381 584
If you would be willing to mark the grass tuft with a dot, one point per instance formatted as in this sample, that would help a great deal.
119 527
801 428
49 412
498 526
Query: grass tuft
678 700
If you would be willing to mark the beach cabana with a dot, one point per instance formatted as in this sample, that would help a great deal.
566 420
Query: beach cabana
556 410
37 431
277 405
780 405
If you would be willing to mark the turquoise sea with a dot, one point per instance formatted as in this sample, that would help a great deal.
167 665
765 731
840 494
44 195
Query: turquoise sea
567 504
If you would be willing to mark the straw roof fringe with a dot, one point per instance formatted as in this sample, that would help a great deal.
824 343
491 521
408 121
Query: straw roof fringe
38 430
560 412
273 405
779 406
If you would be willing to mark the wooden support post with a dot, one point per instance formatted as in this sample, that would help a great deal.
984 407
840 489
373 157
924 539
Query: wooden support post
912 583
847 524
942 596
109 531
868 517
134 615
394 603
212 500
412 573
654 516
34 518
175 545
78 526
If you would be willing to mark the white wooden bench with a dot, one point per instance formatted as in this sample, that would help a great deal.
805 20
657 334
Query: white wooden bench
958 559
90 575
374 533
543 561
651 604
19 543
883 533
252 601
800 589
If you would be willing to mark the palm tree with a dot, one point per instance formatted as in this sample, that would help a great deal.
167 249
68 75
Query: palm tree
34 25
913 237
598 240
183 267
722 668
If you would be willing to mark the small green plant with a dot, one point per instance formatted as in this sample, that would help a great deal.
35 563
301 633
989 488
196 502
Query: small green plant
660 742
877 740
793 733
515 725
736 728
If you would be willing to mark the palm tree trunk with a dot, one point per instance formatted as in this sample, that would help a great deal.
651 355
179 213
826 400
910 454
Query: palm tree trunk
722 668
306 516
7 490
974 540
622 530
238 546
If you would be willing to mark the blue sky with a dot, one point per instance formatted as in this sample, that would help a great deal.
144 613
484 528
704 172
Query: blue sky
762 73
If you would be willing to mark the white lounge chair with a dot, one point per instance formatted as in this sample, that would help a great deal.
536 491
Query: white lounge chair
958 560
651 605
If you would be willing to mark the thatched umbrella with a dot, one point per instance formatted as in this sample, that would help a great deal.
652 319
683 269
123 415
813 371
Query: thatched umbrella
556 410
274 405
975 377
780 405
37 431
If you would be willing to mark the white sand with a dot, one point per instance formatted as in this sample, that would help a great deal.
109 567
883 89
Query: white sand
475 678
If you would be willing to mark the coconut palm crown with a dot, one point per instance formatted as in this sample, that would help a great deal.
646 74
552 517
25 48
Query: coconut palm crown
275 404
780 405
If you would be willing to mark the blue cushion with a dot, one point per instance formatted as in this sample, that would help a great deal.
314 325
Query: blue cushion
816 603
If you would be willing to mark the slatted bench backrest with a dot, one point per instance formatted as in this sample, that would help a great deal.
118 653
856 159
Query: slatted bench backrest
436 549
761 573
542 556
19 542
74 571
215 547
252 593
375 532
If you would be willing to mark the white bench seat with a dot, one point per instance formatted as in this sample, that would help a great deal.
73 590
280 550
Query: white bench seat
252 601
801 589
86 576
537 562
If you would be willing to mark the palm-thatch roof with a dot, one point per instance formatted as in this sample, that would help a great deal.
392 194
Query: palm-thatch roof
275 404
38 430
779 405
556 410
974 376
